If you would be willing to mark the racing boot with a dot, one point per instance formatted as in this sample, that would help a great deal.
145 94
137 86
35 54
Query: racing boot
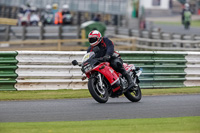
131 83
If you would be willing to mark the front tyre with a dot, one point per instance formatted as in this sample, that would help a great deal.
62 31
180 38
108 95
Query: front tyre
134 96
100 94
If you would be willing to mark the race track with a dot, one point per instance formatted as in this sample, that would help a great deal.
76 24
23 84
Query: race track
88 109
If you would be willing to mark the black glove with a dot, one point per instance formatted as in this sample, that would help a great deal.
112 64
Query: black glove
106 58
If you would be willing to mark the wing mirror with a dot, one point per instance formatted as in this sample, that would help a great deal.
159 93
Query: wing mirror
74 62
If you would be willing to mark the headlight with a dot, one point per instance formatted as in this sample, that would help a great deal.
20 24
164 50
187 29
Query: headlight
86 68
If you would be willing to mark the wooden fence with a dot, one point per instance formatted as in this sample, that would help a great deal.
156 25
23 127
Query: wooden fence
146 40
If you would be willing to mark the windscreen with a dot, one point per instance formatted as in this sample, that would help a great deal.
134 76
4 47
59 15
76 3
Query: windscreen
87 56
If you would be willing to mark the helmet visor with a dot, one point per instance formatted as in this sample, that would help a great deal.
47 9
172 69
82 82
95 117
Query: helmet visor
93 39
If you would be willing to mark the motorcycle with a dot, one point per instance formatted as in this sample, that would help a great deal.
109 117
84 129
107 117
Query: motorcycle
48 19
67 19
25 20
105 82
34 20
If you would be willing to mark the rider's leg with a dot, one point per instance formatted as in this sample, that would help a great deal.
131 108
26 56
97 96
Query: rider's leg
117 65
131 83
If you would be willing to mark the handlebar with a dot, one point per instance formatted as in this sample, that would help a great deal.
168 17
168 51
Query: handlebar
100 59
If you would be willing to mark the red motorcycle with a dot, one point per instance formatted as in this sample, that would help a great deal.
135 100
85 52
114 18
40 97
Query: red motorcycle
105 82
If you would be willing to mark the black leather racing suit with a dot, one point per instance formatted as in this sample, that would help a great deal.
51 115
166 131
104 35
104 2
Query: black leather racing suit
106 47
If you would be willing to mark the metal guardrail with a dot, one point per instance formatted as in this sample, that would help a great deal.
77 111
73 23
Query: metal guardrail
146 40
8 65
9 33
177 45
38 70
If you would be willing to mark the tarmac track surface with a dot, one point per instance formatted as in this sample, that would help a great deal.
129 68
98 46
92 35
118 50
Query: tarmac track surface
88 109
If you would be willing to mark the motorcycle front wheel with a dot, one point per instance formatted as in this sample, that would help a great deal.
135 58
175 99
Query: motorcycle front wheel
134 96
100 94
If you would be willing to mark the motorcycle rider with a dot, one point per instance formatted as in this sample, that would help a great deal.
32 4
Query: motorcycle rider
67 17
47 15
65 9
108 54
187 18
34 19
186 8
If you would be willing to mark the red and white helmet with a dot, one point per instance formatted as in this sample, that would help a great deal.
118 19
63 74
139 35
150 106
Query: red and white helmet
94 37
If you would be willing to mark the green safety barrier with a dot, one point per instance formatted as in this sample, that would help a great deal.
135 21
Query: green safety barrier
8 65
160 69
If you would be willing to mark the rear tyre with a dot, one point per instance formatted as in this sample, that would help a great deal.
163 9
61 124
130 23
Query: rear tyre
98 93
134 96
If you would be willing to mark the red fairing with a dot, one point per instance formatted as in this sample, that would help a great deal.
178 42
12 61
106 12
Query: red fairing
128 67
110 74
88 75
116 89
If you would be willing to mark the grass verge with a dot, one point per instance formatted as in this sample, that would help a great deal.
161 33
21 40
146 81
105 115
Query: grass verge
149 125
195 23
63 94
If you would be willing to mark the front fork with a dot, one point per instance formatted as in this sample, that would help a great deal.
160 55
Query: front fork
135 76
101 88
100 80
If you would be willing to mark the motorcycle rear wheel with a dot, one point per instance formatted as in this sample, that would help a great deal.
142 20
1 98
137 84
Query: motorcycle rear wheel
98 93
134 96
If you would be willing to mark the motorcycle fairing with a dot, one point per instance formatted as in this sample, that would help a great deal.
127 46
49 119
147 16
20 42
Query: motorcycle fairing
110 74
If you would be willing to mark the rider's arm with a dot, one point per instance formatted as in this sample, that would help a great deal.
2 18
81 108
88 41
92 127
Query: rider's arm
89 49
110 47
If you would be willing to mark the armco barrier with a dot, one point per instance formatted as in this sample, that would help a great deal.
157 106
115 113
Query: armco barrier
8 65
50 70
160 69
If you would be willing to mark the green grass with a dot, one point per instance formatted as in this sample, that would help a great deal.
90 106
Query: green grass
63 94
43 94
195 23
153 125
149 125
172 91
